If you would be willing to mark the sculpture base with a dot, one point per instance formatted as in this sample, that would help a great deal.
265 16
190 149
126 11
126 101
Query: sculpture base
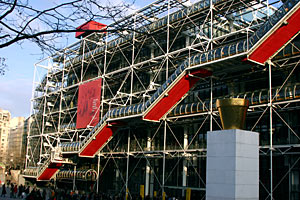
232 165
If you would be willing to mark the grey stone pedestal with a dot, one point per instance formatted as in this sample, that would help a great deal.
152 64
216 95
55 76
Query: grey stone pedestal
232 165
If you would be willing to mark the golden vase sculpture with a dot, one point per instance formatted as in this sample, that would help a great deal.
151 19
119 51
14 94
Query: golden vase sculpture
232 112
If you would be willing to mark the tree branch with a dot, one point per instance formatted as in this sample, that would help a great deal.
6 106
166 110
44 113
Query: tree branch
9 11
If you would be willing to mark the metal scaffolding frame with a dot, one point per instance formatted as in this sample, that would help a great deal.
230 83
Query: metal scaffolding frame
133 63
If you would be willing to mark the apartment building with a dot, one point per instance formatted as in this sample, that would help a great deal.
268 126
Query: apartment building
5 118
15 153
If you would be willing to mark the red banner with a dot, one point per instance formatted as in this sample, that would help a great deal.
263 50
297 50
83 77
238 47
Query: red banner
89 95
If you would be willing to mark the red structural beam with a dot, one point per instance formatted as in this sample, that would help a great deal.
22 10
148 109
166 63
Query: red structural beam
277 39
175 94
100 139
49 172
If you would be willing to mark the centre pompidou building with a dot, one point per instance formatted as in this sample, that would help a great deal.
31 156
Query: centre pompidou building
128 111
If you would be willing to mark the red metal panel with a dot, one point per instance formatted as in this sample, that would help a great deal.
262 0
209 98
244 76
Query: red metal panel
88 103
175 94
91 25
49 172
101 138
277 39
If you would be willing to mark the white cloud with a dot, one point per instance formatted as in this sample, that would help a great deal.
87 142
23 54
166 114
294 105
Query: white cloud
15 96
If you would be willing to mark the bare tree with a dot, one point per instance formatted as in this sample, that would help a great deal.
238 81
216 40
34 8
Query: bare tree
45 24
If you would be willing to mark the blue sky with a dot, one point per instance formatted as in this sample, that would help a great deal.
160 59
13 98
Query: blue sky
16 84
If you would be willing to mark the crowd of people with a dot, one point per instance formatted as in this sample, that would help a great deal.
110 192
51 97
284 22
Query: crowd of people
14 191
25 192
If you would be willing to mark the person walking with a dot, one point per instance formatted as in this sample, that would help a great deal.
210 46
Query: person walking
44 194
27 190
20 191
3 190
15 191
11 190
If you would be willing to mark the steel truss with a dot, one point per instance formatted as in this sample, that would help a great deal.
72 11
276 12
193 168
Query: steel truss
135 61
